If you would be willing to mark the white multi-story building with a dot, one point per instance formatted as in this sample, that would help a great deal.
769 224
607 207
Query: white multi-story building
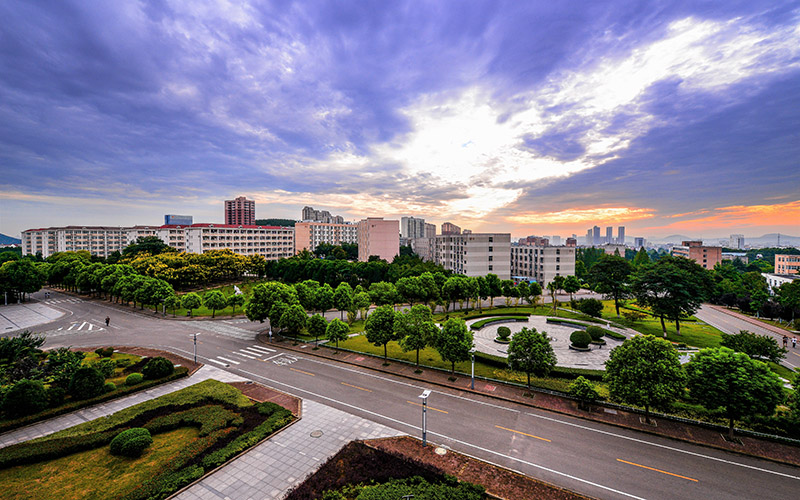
542 263
272 242
307 235
473 254
98 240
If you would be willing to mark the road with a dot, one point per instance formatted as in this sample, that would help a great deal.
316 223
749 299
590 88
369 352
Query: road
729 323
588 457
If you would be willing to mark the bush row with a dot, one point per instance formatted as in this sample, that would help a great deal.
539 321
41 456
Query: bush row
31 452
504 319
494 314
278 419
208 418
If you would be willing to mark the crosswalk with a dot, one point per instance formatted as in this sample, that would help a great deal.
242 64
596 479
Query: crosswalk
70 300
225 330
253 352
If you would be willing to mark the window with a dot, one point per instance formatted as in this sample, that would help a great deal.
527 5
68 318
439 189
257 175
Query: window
491 249
490 268
491 239
490 258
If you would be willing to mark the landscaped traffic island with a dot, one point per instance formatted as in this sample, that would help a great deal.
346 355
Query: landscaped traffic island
147 451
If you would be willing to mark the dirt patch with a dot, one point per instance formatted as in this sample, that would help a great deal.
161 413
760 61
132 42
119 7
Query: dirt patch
260 393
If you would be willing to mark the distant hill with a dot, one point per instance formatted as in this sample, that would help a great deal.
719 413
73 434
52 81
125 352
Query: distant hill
771 240
8 240
275 222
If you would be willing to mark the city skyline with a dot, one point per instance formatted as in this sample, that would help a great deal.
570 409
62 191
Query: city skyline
498 117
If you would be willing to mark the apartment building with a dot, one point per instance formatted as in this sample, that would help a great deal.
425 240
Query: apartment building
708 257
412 227
785 264
307 235
173 235
240 211
450 228
473 254
542 263
378 237
98 240
272 242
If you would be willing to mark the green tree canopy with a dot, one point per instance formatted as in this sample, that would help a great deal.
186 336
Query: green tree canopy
531 352
343 298
147 244
645 371
337 331
316 326
453 342
265 295
610 275
235 300
415 328
755 346
190 301
379 327
722 378
293 319
214 300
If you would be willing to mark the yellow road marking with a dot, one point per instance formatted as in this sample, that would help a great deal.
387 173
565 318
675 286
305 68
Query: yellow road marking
301 371
794 353
657 470
355 387
523 433
429 407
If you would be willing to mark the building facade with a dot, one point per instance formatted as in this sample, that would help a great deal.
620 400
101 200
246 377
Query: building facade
542 263
309 234
707 257
178 220
309 214
450 228
776 280
474 254
430 230
97 240
787 264
240 211
736 241
412 227
621 235
378 237
272 242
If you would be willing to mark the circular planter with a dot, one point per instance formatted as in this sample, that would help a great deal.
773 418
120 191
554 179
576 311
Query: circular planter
599 342
501 341
582 349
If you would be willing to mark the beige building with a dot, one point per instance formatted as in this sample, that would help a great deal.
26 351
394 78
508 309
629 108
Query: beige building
240 211
787 264
307 235
473 254
707 257
378 237
450 228
272 242
542 263
97 240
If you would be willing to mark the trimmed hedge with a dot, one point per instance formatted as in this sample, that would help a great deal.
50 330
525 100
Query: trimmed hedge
580 339
109 387
157 368
614 335
104 352
502 319
495 314
209 418
86 383
279 418
131 442
556 372
134 378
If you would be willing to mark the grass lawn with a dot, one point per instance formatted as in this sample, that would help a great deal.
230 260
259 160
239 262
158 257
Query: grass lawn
94 473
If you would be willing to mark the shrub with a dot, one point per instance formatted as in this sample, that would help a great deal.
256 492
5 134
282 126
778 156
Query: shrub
124 362
595 332
157 368
134 378
131 442
86 383
580 339
503 332
592 307
106 367
109 387
584 391
55 395
25 398
633 316
104 352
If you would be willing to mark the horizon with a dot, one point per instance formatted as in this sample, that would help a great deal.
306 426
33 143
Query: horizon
525 118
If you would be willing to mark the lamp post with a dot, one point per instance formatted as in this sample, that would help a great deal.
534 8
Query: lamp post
472 356
424 398
195 346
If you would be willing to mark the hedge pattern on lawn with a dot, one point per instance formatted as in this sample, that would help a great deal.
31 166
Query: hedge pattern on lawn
228 423
502 319
130 442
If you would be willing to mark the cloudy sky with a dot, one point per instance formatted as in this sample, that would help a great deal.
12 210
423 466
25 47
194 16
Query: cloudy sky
534 117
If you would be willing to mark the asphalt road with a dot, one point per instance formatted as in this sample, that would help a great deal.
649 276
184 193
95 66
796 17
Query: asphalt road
731 324
588 457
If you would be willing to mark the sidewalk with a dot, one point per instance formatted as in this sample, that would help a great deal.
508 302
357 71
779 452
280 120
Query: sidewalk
52 425
772 328
665 428
17 317
284 460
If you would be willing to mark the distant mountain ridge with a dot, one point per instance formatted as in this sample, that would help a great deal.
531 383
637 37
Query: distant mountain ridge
9 240
766 240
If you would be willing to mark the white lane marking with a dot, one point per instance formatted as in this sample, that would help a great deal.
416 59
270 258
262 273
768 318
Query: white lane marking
243 355
275 356
575 478
215 361
228 360
252 351
260 348
642 441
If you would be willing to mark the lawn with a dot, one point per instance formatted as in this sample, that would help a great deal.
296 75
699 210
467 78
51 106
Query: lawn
79 474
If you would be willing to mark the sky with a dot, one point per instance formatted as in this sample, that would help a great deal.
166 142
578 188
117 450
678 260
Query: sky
534 117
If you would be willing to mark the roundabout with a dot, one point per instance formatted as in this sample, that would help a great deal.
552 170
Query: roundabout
559 338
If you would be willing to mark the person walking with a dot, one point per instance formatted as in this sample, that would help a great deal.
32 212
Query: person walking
108 320
785 340
794 342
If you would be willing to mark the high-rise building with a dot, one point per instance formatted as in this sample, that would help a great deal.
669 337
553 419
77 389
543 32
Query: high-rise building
609 235
178 220
240 212
595 235
736 241
412 227
588 237
378 237
430 230
450 228
309 214
621 235
638 242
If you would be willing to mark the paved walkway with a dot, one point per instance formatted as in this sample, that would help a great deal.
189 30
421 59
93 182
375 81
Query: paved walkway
285 460
86 414
15 317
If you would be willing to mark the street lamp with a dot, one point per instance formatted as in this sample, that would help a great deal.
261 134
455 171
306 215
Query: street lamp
472 356
195 346
424 398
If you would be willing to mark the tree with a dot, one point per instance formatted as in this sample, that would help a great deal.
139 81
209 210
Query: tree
552 287
21 277
343 298
584 391
645 371
265 295
234 300
453 342
380 327
571 285
383 293
672 287
534 292
789 296
190 301
214 300
509 291
610 276
323 298
641 258
158 291
25 397
152 245
531 352
87 382
523 290
316 326
493 288
362 301
409 289
592 307
755 346
337 331
722 378
293 319
172 302
61 364
415 328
